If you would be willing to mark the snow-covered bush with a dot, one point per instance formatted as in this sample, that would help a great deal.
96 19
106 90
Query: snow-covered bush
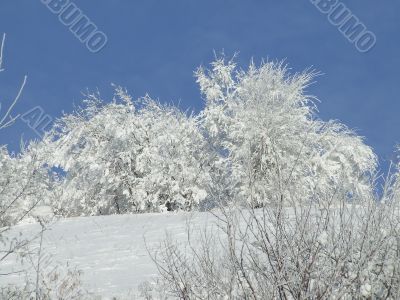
55 285
310 251
128 156
265 129
24 183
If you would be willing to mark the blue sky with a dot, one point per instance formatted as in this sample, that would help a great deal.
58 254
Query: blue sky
154 47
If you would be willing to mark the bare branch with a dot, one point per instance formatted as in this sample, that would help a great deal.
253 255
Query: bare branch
1 52
4 122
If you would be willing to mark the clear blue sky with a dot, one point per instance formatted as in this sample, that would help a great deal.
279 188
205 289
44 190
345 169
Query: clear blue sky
154 47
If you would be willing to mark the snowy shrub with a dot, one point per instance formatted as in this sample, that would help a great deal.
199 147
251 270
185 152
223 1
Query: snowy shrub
153 290
57 285
265 129
129 157
330 250
24 183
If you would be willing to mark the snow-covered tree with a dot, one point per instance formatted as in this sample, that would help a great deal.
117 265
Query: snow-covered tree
129 156
264 127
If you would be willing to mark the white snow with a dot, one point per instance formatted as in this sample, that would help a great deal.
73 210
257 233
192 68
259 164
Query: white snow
42 211
110 250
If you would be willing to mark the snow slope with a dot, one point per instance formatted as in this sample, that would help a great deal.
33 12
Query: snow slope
110 250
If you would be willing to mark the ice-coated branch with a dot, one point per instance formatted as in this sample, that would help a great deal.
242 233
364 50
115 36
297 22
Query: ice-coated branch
4 122
7 120
1 52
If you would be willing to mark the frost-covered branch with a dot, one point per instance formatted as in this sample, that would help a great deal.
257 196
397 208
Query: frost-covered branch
7 119
1 51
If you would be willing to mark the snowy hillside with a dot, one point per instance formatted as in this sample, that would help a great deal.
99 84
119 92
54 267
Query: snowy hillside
110 250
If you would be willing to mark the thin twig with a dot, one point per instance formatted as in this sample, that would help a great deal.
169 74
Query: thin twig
3 122
1 52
